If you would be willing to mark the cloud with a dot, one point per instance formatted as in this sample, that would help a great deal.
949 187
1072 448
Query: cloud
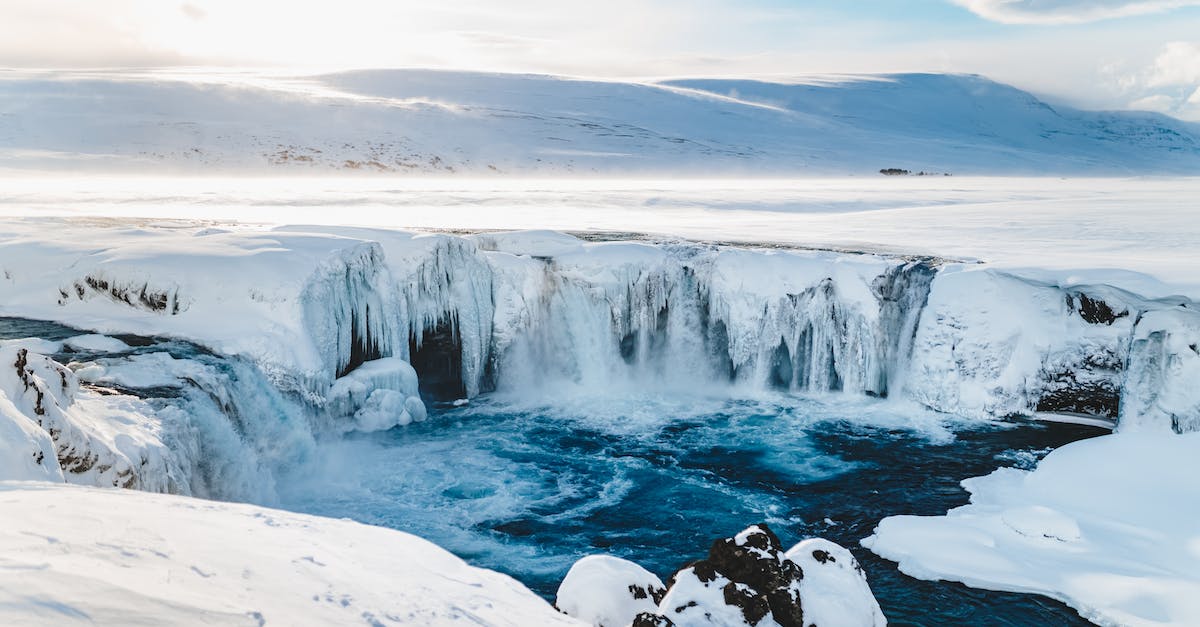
1066 11
1169 83
1177 64
193 11
1158 102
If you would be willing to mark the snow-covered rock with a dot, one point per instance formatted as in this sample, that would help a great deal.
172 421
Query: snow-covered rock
834 591
77 555
98 439
607 591
26 450
748 580
1161 391
1107 525
379 395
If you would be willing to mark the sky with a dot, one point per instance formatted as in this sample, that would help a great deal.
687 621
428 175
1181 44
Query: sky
1113 54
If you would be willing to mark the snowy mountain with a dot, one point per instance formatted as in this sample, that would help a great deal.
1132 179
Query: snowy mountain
439 122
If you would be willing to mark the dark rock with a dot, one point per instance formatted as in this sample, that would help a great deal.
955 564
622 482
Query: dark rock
759 579
646 619
1093 310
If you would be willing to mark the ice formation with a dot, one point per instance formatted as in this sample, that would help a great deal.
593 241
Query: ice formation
308 306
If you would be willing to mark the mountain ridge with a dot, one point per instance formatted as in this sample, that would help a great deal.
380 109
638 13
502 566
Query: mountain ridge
452 122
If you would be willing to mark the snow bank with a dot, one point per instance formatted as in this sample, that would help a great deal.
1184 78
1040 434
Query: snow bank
90 556
607 591
1107 525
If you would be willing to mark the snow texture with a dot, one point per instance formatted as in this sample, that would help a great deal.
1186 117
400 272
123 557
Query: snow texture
83 556
1107 525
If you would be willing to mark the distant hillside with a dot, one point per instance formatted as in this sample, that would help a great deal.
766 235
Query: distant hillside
426 122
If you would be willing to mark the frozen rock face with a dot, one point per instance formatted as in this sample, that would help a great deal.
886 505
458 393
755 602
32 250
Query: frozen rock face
103 440
990 344
227 426
1161 391
749 580
607 591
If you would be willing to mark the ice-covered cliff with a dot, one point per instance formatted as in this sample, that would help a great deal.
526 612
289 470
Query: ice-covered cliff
541 311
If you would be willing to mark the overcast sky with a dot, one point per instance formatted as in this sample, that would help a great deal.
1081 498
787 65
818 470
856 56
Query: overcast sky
1099 53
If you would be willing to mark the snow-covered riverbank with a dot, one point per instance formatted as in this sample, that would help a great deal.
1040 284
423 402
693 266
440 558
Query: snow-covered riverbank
74 555
1107 525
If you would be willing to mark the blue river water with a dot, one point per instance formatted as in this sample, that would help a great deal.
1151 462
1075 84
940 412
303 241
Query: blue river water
527 490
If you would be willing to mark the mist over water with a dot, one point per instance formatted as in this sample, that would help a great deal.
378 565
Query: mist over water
527 486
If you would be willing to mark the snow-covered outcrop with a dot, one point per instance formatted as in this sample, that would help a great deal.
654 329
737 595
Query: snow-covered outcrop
834 590
96 439
1107 525
118 557
422 121
746 580
607 591
995 344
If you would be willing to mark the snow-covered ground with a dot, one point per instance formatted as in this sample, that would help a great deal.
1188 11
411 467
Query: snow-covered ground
404 121
84 556
1079 226
1108 525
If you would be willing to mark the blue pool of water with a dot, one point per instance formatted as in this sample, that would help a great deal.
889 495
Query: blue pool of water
528 489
